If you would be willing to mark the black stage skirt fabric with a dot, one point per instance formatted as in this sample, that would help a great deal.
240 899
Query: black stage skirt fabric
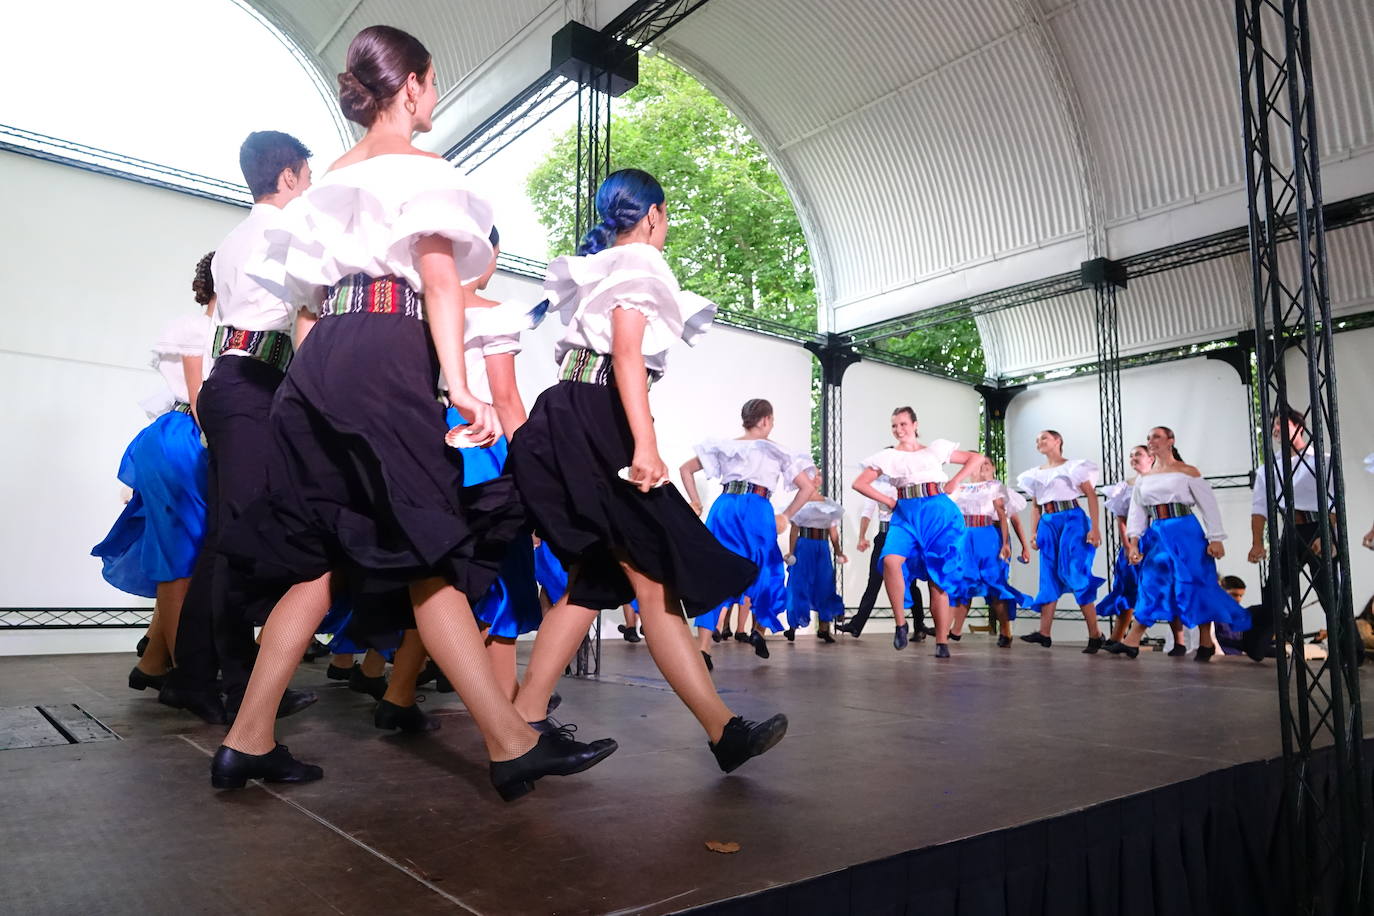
361 481
565 460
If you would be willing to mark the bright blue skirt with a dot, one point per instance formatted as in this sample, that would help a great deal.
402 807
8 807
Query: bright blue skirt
1179 579
550 573
745 524
811 584
986 574
927 531
1125 588
158 535
1066 558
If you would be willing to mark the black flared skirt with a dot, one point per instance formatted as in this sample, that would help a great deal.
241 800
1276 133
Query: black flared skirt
566 460
361 482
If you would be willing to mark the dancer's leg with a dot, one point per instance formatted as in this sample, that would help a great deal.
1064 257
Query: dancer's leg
960 613
1046 618
374 664
288 631
345 662
449 631
562 631
406 666
1090 617
940 612
501 653
896 586
1123 624
1133 638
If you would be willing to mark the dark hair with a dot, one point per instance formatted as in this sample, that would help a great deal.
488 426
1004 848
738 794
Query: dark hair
1229 582
380 59
494 237
910 412
1368 612
1143 448
1295 417
1057 435
622 201
203 283
754 412
264 155
1174 449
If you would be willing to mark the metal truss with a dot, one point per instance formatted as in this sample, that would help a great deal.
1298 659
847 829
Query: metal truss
73 618
1104 277
1325 820
834 357
996 398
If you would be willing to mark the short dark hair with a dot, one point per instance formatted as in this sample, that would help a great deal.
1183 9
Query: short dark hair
909 411
1230 582
754 412
264 155
203 283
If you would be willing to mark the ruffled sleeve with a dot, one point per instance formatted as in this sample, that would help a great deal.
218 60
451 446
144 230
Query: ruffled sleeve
497 329
1081 471
366 218
1029 482
792 465
1014 502
943 448
188 335
708 453
880 462
1119 499
1135 516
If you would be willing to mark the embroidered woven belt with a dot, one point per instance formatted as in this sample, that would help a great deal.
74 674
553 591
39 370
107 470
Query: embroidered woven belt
181 407
1303 517
382 295
1168 510
883 526
815 534
920 490
1058 505
739 487
979 521
271 347
593 368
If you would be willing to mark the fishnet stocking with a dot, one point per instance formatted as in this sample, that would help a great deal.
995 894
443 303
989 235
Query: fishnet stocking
405 668
288 631
501 654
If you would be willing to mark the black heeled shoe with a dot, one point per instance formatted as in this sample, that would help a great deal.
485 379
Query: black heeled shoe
1204 653
741 740
374 687
408 719
142 645
292 701
1038 639
428 674
790 633
556 753
1004 642
725 634
759 643
1094 644
141 680
555 701
630 633
899 637
1120 648
231 769
824 636
706 657
335 673
1178 651
742 636
716 636
208 707
955 636
942 650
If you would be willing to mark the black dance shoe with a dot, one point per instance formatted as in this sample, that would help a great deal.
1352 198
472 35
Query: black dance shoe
315 650
759 643
428 674
954 636
142 645
1094 643
1204 653
899 636
716 636
824 636
206 706
557 753
742 740
1108 643
790 633
408 719
555 701
1004 642
232 769
335 673
1120 648
1178 651
1038 639
294 700
724 634
706 657
374 687
942 650
742 636
630 633
138 680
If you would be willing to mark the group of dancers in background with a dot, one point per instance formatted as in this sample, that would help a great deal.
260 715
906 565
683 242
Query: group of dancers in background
344 451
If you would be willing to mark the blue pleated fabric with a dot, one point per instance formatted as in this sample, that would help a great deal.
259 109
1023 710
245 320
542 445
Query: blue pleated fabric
744 523
811 584
986 574
927 532
1066 558
1125 588
550 573
1179 579
158 535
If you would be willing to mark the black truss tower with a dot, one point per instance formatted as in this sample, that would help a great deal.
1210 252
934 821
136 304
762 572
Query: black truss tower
1325 822
1104 277
995 402
835 356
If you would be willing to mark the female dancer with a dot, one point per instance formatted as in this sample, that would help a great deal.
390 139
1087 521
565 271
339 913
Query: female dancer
364 483
926 524
749 468
1177 555
912 599
1065 535
153 545
1120 601
985 547
589 471
811 576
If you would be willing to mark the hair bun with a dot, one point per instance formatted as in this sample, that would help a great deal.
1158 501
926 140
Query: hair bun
358 102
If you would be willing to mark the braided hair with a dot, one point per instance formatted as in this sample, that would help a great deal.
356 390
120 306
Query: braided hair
203 283
623 199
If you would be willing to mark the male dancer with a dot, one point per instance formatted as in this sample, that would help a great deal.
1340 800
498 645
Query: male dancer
252 348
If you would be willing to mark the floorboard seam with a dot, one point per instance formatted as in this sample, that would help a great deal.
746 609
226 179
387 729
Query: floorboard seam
349 837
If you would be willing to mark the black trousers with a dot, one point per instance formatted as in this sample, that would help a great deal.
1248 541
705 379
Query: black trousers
875 584
215 636
1282 583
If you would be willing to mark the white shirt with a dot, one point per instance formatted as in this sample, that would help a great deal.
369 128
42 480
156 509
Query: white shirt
585 289
241 301
1304 485
489 331
1174 487
1061 483
904 469
759 461
874 508
189 335
1119 498
819 513
981 498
